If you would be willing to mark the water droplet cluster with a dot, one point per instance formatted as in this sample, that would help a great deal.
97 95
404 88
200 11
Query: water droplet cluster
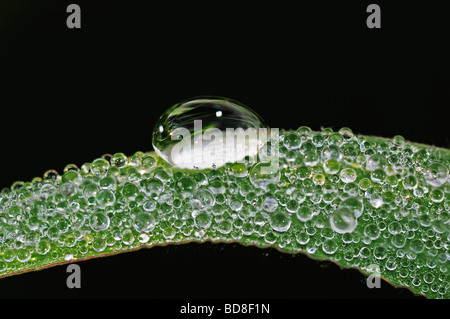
358 201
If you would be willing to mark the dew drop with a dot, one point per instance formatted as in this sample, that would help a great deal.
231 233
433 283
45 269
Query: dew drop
343 221
152 186
331 152
280 222
376 200
118 160
311 158
263 174
144 222
331 166
372 231
410 182
239 170
304 214
354 204
395 228
330 247
416 246
348 175
380 252
398 140
436 174
143 238
428 278
202 199
292 141
375 161
99 221
193 133
270 203
99 244
105 198
437 195
203 220
128 237
23 255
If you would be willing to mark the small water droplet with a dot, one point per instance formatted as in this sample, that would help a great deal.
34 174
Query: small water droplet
280 222
343 221
436 174
263 174
304 214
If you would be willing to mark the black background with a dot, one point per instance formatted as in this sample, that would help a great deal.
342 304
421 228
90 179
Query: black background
72 95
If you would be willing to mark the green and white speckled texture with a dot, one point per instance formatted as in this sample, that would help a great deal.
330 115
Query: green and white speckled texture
357 201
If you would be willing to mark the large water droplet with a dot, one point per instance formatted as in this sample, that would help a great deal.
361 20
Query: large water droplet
353 204
263 174
436 174
343 221
193 133
280 221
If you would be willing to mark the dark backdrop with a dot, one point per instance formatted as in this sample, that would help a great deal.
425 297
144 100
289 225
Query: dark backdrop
69 96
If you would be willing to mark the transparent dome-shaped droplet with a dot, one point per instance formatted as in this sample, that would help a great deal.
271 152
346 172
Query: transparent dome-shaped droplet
436 174
99 221
376 200
263 174
343 221
353 204
280 222
202 199
330 247
304 213
203 220
372 231
270 203
144 222
208 132
348 175
331 152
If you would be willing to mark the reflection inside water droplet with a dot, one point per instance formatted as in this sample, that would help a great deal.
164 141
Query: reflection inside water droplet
208 132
